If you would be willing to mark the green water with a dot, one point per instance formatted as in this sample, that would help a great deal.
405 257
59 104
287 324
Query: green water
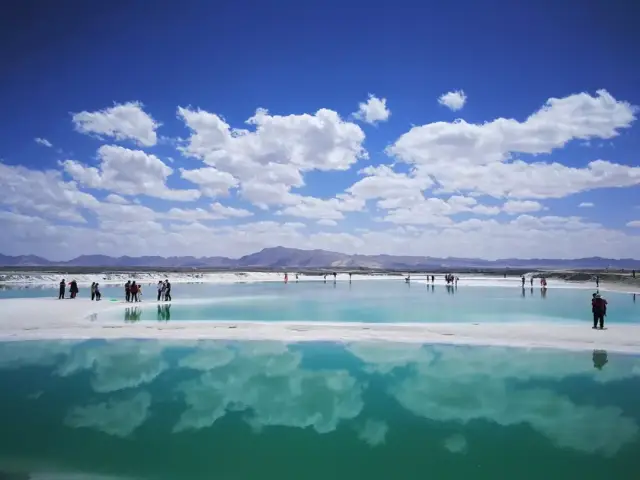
381 302
249 410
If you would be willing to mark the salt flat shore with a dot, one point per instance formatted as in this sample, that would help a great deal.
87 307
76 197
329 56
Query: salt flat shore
51 319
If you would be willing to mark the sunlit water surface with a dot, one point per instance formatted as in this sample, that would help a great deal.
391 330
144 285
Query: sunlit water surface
215 410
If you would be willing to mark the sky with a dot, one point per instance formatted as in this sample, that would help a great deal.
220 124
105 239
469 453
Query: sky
492 129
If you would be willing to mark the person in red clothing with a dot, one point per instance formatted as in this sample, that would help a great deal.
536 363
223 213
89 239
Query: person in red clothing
599 310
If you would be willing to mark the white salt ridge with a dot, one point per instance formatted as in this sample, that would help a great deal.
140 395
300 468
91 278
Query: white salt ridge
50 319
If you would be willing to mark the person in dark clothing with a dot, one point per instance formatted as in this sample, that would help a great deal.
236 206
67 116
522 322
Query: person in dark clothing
93 290
63 287
97 291
73 288
599 310
127 291
167 290
134 292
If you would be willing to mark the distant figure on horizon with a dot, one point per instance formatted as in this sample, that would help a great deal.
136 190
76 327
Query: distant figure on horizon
597 281
335 276
433 278
457 278
633 273
296 278
531 280
599 310
522 281
286 277
63 287
408 279
325 278
349 277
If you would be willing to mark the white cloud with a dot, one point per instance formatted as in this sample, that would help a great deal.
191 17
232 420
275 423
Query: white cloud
129 172
43 193
454 100
586 205
373 110
44 142
478 158
211 181
521 206
268 161
327 222
229 212
634 223
127 121
113 198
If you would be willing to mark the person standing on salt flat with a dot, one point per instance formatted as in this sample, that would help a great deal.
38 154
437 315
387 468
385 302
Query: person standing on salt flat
127 291
63 287
160 289
167 290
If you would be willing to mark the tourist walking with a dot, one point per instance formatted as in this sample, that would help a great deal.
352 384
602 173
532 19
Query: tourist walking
63 287
73 289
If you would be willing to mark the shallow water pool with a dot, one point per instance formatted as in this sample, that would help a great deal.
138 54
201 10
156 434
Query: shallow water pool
242 410
381 301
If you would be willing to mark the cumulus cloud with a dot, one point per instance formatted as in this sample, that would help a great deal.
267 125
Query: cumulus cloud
127 121
521 206
44 142
113 198
374 110
129 172
454 100
438 196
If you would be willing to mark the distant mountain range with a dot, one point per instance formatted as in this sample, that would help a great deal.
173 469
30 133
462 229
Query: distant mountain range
281 258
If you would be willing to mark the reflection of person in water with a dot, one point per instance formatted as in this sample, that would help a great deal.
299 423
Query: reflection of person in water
132 314
164 312
523 294
543 292
600 359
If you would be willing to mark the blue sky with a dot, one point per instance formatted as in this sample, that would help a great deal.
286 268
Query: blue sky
102 85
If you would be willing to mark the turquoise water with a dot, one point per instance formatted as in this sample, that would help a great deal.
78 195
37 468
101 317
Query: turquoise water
379 301
212 410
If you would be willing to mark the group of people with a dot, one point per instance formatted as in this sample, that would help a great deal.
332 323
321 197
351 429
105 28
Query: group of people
132 291
451 279
543 281
164 290
95 291
73 289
